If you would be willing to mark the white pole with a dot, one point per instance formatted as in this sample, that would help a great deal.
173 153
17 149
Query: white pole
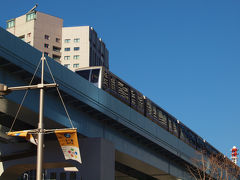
40 127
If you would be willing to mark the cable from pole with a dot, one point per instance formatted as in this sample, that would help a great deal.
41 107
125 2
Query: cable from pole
20 106
60 96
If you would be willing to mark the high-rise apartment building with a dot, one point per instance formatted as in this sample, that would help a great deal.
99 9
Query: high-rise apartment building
81 47
42 31
73 47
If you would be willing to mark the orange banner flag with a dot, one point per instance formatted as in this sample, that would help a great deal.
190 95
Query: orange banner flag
68 141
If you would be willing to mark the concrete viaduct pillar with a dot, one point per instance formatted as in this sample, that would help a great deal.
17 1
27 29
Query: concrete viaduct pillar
98 159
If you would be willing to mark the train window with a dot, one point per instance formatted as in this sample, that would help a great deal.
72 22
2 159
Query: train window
105 80
170 125
174 127
165 120
95 76
160 116
183 135
133 98
123 91
140 103
148 108
162 119
154 112
84 74
113 84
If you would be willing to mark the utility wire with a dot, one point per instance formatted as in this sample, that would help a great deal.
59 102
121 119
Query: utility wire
60 96
20 106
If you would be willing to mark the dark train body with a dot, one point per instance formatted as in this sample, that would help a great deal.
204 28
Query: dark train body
104 79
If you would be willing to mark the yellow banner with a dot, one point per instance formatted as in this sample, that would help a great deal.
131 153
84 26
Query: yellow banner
68 141
18 133
25 134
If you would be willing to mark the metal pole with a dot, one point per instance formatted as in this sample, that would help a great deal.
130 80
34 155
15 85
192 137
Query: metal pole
40 127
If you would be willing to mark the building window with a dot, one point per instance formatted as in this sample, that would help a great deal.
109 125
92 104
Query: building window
73 176
63 176
46 37
75 65
66 65
67 49
11 23
76 40
28 35
30 16
45 54
58 40
22 37
66 57
56 57
76 48
53 175
67 40
46 45
56 49
76 57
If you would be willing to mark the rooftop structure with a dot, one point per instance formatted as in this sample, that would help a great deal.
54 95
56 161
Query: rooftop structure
42 31
74 47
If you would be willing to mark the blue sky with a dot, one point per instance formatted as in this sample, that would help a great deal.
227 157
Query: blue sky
182 54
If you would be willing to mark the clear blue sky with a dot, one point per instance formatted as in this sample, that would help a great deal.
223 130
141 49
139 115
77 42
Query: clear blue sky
182 54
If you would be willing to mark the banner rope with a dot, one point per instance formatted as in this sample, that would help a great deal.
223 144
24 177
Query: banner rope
60 96
23 99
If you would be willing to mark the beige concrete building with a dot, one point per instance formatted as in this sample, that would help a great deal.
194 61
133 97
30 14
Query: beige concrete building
81 47
40 30
74 47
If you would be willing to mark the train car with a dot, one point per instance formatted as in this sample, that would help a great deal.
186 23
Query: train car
106 80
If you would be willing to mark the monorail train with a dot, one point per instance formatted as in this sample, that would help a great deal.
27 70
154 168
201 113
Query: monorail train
106 80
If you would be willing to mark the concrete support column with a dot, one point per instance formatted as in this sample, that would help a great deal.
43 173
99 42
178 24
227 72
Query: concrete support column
98 159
